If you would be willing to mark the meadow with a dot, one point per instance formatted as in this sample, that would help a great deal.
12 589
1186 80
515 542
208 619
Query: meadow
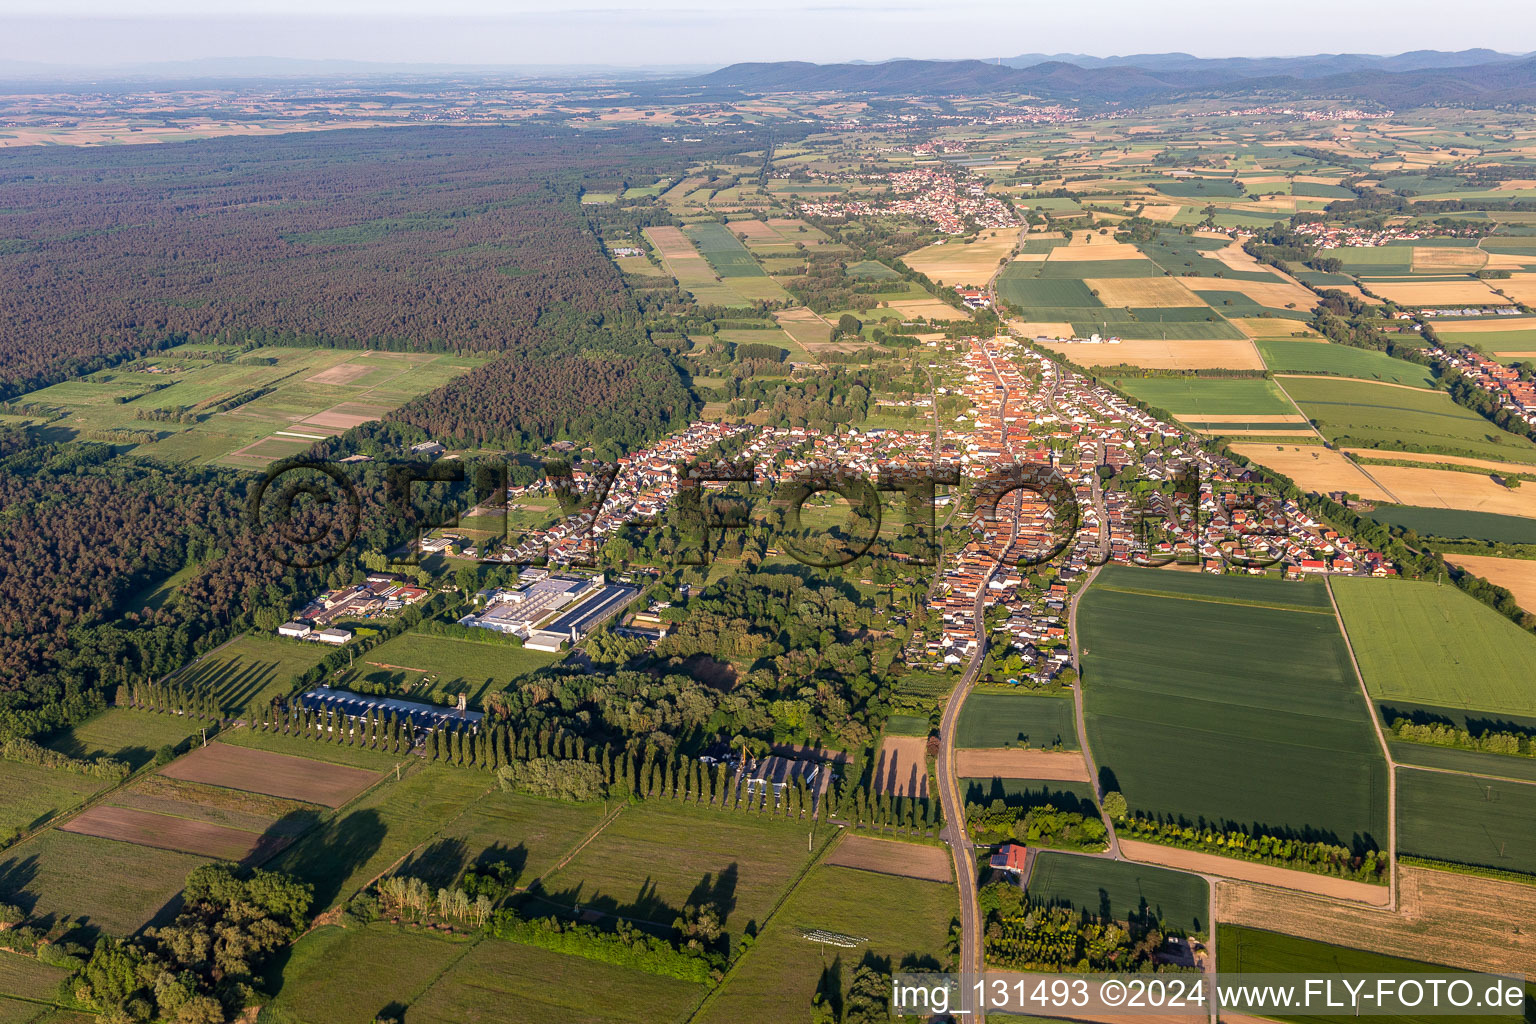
251 670
657 856
1473 762
528 833
28 978
1186 676
126 734
1466 819
1419 643
1008 720
389 967
311 749
34 794
1118 889
1341 361
902 920
1365 414
438 668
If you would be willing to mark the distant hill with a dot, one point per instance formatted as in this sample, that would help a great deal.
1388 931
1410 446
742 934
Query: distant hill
1470 77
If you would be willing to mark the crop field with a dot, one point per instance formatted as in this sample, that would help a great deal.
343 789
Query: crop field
1251 950
1452 489
500 982
528 833
684 262
1018 763
1163 293
1009 720
1362 414
904 920
723 250
28 978
109 887
300 395
382 827
656 856
1419 643
1516 575
1189 398
391 967
893 857
1313 467
1033 292
1457 523
959 263
34 794
1473 762
1181 354
1467 819
309 749
258 771
1341 361
126 734
902 766
166 832
1221 670
1119 889
1066 796
437 668
249 672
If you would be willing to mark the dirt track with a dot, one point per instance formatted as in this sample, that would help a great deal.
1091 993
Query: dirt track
258 771
1250 871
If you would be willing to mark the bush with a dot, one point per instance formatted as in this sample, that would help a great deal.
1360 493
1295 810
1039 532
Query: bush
27 752
1114 805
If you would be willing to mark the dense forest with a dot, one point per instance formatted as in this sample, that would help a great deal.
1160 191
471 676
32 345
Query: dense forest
416 238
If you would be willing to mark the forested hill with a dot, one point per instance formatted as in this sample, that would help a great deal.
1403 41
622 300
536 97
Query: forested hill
1482 81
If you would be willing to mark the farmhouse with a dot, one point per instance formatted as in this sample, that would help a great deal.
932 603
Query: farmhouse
1012 858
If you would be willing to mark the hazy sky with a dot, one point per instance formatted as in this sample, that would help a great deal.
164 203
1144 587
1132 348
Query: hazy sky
630 32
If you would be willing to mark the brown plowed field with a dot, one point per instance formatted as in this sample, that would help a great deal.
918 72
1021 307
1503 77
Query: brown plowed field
1480 924
258 771
1250 871
164 832
903 766
1013 763
889 857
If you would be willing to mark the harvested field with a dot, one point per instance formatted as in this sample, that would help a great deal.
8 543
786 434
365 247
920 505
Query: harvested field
1155 292
346 416
952 263
1516 575
890 857
1498 325
1492 465
165 832
1275 294
1314 468
1246 418
1164 355
342 373
1479 924
933 309
259 771
902 769
805 327
1431 293
1447 488
1086 247
1430 259
1161 214
1015 763
1253 872
1035 329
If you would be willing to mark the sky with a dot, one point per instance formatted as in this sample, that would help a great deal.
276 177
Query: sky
632 33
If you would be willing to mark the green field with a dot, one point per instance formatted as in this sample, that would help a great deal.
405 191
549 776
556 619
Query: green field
1031 291
386 967
1475 762
1192 398
1016 720
1454 523
104 886
248 672
906 725
438 668
1253 951
657 856
378 830
500 982
1342 361
723 250
1419 643
28 978
126 734
34 794
1362 414
1466 819
1118 889
527 832
905 921
870 270
1181 683
315 750
299 383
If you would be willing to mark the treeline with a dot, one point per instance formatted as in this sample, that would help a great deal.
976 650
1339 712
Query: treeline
1318 857
27 752
1444 734
1031 935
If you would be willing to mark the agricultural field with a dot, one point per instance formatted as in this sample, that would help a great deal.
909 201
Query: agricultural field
250 671
1516 575
893 857
1258 674
1314 467
1456 524
1187 354
657 856
901 919
288 398
1466 819
1467 762
103 886
26 977
278 775
1423 644
901 768
1120 889
1251 950
126 734
528 833
1316 357
395 966
1363 414
1016 720
436 669
1019 763
954 262
1206 400
309 749
34 794
1065 796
